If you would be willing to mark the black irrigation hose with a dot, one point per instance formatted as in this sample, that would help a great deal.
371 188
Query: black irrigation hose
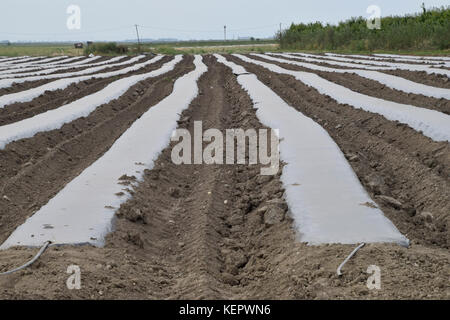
29 263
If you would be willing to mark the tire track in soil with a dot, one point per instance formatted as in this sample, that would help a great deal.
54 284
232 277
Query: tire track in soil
54 99
34 170
389 158
206 224
371 88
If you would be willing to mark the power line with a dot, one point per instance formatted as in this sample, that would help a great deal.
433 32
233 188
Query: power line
74 33
208 30
68 33
255 28
179 30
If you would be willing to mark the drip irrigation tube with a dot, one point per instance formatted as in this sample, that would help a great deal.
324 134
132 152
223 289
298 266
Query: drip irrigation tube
29 263
339 273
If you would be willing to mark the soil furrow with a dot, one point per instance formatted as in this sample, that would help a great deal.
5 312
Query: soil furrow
54 99
201 231
61 65
77 68
435 80
21 86
362 59
388 157
17 87
203 221
51 159
376 89
372 88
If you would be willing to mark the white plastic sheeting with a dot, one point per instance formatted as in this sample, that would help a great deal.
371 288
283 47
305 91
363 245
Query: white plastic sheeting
90 59
413 57
342 57
319 59
78 213
14 58
49 59
23 61
30 94
430 68
393 82
439 61
324 195
64 61
17 60
56 118
29 61
32 66
35 70
44 74
433 124
402 66
51 67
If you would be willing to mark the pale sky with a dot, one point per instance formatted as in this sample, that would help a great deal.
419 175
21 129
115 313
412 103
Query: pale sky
45 20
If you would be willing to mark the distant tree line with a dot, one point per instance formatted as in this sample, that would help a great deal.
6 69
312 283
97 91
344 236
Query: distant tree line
429 30
105 48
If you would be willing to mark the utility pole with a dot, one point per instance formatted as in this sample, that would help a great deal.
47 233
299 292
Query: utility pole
225 32
280 33
139 41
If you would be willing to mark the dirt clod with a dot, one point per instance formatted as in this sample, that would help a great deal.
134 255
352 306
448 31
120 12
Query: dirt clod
390 201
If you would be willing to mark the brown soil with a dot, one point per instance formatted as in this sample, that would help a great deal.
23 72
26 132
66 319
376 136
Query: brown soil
375 89
435 80
17 87
21 86
200 232
372 88
357 61
81 67
54 99
51 159
385 151
385 59
392 61
322 64
68 70
35 60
